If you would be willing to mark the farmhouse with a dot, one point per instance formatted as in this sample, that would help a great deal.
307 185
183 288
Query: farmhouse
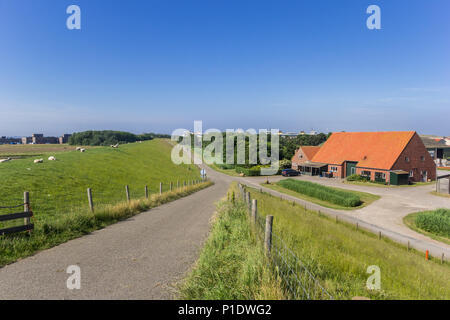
394 157
301 161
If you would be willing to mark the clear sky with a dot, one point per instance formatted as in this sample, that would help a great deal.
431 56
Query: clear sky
158 65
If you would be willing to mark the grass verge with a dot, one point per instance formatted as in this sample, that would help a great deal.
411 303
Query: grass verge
379 185
434 193
230 172
366 198
431 224
339 255
70 226
232 265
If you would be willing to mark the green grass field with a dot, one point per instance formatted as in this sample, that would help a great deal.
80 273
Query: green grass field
338 255
365 198
30 150
59 187
232 264
58 194
435 224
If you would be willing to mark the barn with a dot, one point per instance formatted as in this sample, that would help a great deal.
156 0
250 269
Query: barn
394 157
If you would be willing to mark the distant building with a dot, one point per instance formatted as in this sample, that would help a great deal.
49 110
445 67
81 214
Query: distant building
9 140
437 147
64 138
289 134
39 138
26 140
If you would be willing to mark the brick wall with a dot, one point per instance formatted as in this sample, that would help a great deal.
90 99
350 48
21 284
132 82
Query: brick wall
419 160
339 173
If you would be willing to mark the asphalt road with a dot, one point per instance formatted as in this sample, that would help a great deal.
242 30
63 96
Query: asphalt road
139 258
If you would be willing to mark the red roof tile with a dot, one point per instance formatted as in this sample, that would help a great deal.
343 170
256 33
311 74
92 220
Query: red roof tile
370 149
310 151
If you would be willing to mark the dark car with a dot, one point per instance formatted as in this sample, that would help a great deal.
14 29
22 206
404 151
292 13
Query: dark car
289 172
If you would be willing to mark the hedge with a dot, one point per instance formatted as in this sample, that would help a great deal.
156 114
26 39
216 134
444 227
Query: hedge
339 197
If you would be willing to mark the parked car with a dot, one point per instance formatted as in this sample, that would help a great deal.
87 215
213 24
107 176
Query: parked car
289 172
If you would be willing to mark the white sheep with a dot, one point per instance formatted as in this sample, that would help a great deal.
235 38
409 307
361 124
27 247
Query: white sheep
5 160
38 160
82 150
78 149
52 158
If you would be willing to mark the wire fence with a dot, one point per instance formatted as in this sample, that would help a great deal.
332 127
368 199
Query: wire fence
297 281
47 205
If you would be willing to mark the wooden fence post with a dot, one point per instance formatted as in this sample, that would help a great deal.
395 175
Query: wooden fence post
171 186
254 210
379 235
127 191
160 188
146 192
248 200
178 184
268 234
26 206
91 203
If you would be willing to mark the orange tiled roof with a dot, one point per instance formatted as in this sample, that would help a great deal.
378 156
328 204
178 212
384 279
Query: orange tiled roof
370 149
310 151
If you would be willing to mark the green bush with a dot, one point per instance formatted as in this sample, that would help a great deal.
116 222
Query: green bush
226 166
109 137
357 177
339 197
436 222
285 164
249 172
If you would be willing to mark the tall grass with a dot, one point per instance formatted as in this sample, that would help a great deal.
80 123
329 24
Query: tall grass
65 227
232 264
315 190
338 255
436 222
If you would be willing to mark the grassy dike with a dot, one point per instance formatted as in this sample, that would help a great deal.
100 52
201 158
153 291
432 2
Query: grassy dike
232 264
339 255
59 187
70 226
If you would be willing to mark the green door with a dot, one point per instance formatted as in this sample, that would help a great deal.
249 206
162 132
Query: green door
393 179
350 168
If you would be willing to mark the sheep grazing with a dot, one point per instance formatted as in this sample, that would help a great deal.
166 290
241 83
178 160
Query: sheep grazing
115 145
78 149
82 150
38 160
5 160
52 158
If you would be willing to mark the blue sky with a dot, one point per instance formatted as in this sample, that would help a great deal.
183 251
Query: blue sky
159 65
